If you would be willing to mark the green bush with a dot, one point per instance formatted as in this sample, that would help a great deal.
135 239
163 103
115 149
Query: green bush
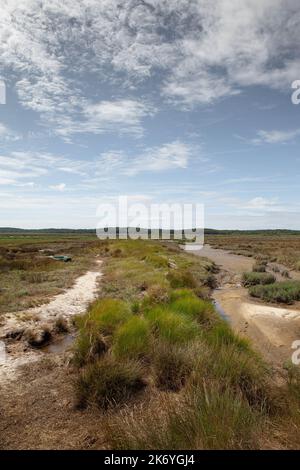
109 382
132 339
285 292
252 279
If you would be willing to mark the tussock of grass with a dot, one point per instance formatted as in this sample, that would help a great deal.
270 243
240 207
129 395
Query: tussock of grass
255 278
197 309
109 382
221 334
107 314
208 416
283 292
182 278
132 339
172 327
172 365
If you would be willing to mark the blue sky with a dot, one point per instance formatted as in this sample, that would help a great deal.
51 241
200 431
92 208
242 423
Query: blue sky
162 101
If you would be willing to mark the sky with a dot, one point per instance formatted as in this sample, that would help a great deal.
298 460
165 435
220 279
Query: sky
163 101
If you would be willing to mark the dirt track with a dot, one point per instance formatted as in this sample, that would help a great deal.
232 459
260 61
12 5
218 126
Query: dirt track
37 409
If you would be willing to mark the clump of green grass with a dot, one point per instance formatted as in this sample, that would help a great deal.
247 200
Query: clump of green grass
89 346
132 339
221 334
156 260
107 314
171 326
172 365
255 278
181 278
181 294
109 382
286 292
197 309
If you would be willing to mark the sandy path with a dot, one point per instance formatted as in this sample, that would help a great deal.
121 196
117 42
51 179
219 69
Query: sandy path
72 302
37 400
272 328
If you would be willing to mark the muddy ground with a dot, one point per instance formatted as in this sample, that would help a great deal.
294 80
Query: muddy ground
272 328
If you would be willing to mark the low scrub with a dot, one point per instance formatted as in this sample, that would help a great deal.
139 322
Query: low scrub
282 292
254 278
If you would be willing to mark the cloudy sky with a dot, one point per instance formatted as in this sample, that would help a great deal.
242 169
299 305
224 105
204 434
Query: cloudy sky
160 100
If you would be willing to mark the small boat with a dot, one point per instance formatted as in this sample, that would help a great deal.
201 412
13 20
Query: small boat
61 258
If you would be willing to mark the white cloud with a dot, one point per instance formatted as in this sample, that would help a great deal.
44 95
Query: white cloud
198 51
166 157
58 187
275 137
7 134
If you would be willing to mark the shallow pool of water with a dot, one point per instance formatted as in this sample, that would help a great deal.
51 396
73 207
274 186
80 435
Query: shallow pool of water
60 345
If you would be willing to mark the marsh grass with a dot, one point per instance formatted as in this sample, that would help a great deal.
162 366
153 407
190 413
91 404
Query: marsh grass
282 292
109 382
132 339
207 416
171 326
255 278
207 388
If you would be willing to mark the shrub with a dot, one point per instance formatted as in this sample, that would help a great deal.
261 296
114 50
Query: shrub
109 382
171 326
252 279
285 292
132 339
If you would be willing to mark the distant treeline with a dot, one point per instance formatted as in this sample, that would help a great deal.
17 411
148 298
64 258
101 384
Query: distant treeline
174 234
